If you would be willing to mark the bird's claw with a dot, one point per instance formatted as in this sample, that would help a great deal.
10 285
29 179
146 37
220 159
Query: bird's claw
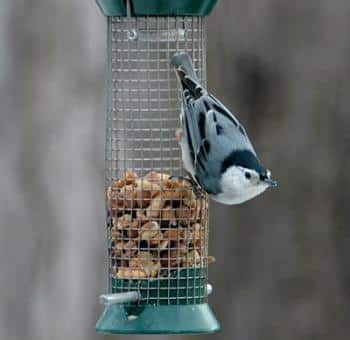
197 190
178 135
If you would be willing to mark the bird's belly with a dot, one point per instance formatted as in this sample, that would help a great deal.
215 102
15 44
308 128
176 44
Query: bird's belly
238 197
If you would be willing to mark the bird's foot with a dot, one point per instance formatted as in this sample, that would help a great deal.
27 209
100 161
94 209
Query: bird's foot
178 135
197 190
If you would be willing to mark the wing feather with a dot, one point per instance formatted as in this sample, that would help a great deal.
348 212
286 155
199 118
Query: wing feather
213 133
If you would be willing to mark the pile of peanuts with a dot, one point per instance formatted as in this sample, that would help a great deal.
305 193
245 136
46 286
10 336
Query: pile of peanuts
157 223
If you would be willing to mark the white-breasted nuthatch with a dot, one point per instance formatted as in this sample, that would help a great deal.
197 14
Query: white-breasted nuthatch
216 150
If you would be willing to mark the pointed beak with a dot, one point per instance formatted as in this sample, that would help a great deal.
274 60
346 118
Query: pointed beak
270 182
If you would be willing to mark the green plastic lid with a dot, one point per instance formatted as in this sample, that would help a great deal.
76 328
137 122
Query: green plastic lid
157 7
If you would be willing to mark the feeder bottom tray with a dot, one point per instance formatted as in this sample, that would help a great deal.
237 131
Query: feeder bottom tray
190 314
157 319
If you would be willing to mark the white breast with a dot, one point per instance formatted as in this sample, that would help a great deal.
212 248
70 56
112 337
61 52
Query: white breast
236 189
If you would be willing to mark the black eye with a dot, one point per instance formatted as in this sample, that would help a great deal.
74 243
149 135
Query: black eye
263 177
247 175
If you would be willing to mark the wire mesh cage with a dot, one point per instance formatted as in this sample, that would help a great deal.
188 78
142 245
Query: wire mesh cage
157 226
152 218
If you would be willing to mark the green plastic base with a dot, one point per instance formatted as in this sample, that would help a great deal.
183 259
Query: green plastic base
150 319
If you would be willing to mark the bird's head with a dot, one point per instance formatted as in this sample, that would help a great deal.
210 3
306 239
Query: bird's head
256 177
243 177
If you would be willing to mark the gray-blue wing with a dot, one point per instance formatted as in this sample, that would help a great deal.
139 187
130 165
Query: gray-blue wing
213 132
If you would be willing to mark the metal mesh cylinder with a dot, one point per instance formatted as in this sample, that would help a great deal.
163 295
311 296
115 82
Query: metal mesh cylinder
157 228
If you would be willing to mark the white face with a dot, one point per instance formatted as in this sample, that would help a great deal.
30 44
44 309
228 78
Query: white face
240 185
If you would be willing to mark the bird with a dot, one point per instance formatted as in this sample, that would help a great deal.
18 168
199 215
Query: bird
216 150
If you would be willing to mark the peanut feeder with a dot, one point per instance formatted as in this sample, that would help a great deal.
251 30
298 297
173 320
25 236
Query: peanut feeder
157 226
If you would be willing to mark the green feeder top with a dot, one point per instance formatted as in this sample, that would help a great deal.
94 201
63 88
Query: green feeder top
157 7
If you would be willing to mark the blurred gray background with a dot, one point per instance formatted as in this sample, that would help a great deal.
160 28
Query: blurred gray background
283 259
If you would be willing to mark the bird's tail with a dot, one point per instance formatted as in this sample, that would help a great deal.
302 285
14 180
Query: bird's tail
183 61
187 75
